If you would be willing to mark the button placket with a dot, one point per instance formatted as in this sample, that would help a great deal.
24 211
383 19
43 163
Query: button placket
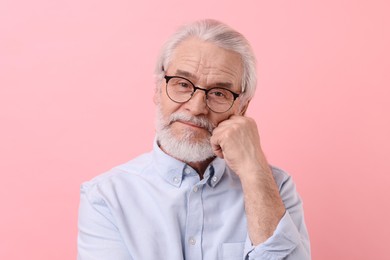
192 241
195 223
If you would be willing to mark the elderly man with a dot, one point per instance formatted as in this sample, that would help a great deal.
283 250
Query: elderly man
206 191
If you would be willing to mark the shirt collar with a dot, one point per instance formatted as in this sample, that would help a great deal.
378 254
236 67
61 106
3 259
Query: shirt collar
215 171
173 171
169 168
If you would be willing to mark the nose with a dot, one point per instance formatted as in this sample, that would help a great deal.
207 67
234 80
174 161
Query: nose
197 104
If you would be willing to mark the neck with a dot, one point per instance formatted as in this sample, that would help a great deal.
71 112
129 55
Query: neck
200 167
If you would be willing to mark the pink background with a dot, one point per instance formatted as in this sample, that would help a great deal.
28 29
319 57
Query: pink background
76 86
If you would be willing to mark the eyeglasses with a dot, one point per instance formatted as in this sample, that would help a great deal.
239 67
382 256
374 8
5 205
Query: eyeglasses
180 90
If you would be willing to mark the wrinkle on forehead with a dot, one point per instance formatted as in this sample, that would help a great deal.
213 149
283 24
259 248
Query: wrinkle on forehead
206 62
205 65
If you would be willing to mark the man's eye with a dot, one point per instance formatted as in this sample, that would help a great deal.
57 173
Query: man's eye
219 94
184 85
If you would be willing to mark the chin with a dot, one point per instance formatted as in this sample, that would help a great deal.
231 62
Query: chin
185 147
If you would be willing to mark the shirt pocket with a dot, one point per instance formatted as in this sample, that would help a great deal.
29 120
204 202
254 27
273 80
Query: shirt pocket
232 251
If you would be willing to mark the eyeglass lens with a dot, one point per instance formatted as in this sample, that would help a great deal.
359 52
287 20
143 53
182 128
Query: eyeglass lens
181 90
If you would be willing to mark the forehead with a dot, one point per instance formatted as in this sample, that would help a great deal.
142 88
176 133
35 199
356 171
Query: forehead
207 62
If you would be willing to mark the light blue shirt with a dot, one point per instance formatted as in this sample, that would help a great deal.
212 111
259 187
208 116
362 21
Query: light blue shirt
156 207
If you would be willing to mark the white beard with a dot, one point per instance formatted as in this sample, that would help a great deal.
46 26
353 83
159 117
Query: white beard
185 148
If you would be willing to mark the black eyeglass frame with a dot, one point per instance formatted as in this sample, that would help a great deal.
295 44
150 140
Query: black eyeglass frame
167 78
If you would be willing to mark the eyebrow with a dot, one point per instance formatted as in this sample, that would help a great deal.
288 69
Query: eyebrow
224 85
183 73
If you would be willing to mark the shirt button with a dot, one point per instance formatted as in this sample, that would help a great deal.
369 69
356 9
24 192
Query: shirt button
195 189
192 241
214 179
187 171
176 180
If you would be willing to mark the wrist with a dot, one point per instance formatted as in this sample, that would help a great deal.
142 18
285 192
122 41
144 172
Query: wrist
255 173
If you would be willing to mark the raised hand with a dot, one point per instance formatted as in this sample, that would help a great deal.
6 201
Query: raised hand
237 141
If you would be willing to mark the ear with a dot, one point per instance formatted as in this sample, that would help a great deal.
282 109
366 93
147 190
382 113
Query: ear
157 94
244 108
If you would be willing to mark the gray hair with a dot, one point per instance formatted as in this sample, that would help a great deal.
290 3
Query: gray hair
223 36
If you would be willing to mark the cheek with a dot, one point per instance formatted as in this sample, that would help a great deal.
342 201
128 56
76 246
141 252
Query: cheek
167 106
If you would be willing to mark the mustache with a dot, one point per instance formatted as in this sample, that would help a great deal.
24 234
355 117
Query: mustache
196 120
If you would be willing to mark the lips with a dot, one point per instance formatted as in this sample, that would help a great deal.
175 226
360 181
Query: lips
192 124
196 122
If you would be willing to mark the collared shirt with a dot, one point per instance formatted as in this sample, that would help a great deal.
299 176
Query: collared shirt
156 207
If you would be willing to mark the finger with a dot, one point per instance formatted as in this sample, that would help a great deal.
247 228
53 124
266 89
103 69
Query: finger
217 151
214 141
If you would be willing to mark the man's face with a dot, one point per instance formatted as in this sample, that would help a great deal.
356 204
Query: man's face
206 65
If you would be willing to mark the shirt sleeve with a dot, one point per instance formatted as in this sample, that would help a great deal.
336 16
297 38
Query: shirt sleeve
290 239
98 236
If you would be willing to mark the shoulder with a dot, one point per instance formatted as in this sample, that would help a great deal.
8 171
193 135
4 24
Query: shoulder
284 181
287 187
116 177
280 176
